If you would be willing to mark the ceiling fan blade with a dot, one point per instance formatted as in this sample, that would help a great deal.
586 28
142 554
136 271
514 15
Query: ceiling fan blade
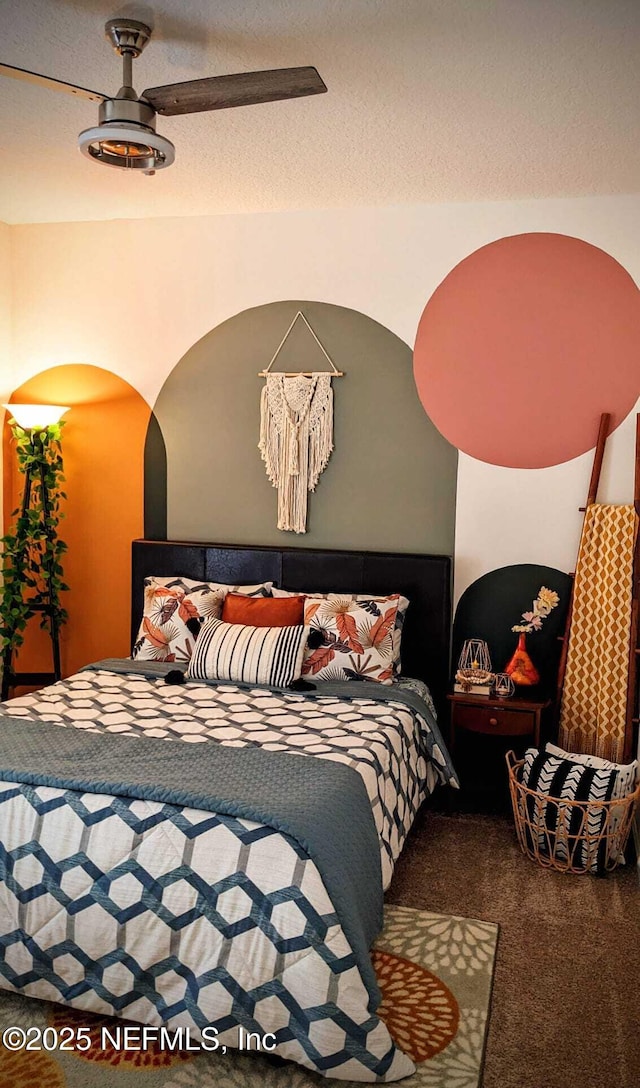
53 84
241 89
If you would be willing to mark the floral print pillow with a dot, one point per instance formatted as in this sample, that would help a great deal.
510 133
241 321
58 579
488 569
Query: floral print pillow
357 638
377 599
174 610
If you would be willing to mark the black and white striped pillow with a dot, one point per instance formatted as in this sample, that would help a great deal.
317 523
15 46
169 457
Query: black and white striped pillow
560 827
248 655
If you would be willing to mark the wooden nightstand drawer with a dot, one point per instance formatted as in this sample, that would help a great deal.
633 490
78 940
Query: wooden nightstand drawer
517 717
492 719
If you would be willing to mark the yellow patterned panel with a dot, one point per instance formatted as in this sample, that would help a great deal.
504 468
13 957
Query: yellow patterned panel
594 697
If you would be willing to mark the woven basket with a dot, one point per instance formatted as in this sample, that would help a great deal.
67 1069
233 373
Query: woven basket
570 844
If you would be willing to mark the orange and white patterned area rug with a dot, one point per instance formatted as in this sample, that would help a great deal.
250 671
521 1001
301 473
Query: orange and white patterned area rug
435 973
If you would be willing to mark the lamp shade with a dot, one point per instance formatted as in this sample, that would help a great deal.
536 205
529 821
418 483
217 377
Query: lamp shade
31 416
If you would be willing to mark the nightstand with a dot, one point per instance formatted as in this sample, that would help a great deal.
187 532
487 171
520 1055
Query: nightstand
514 717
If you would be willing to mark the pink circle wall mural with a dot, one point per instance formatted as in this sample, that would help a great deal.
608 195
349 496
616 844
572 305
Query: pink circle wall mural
523 346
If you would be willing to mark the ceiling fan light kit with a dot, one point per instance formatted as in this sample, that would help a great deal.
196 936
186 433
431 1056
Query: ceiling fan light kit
129 146
126 136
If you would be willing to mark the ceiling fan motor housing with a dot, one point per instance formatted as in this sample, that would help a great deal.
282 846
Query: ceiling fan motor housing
127 111
126 137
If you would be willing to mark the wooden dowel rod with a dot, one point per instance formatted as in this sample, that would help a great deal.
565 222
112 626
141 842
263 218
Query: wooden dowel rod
633 696
562 664
632 708
597 460
636 488
598 457
301 373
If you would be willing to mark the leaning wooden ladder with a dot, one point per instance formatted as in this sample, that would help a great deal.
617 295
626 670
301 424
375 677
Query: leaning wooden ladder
633 690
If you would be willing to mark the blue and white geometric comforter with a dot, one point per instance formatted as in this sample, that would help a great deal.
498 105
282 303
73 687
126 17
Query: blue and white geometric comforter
101 897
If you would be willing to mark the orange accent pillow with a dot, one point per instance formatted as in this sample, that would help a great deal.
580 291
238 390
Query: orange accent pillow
270 611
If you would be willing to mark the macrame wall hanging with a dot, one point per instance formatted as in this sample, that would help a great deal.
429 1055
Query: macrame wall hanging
296 432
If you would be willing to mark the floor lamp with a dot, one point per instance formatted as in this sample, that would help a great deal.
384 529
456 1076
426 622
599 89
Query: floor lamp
32 549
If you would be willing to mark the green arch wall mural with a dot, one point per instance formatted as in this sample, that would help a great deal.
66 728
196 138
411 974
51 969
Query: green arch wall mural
389 485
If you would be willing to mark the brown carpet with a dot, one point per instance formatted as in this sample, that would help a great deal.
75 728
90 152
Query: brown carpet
566 998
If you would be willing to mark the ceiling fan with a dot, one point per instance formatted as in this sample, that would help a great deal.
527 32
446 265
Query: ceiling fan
126 135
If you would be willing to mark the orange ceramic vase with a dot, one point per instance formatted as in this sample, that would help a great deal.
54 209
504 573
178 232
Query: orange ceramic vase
521 668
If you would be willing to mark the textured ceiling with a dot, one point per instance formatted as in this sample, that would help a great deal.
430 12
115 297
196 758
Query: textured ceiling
429 100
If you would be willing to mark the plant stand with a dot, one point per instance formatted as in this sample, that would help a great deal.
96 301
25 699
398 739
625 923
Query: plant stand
26 561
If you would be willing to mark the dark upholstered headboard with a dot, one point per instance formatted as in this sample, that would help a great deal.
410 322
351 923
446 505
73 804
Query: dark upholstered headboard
424 579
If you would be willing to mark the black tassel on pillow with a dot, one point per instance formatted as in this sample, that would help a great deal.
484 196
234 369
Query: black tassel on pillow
193 626
175 676
315 638
301 685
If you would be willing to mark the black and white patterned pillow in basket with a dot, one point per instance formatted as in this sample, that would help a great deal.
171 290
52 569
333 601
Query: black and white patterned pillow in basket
570 833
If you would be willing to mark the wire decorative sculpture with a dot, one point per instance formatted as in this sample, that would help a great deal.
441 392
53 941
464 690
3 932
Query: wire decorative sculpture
474 666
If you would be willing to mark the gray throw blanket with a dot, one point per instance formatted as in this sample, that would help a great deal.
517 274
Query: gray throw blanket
310 800
346 690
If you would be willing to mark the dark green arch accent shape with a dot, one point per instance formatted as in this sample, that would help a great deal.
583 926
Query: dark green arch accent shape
493 604
155 483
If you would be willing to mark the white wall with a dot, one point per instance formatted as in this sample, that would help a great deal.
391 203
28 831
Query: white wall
132 296
6 360
6 357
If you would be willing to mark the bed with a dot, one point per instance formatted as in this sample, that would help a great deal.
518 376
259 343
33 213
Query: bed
210 883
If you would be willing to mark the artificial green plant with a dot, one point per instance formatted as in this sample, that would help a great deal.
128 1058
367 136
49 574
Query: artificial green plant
32 550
